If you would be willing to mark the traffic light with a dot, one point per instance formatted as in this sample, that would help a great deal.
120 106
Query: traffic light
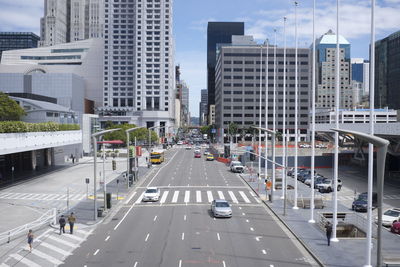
114 165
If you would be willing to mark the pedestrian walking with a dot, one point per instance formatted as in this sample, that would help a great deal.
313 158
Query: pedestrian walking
328 228
30 239
71 221
62 223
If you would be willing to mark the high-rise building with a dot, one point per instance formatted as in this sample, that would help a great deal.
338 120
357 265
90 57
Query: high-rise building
360 73
17 40
326 73
138 85
218 33
203 107
71 20
387 72
237 94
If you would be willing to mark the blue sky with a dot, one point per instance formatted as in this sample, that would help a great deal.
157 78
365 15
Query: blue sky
261 17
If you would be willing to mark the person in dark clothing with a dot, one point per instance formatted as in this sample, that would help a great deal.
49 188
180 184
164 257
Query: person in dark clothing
71 221
62 223
30 239
328 228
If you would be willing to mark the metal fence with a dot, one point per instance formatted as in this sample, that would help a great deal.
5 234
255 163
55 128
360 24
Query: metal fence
47 218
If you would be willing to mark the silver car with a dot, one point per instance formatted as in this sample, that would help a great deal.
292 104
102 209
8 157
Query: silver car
221 208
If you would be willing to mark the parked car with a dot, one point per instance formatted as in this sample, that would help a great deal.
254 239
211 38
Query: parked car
361 202
151 194
236 166
307 180
304 145
298 171
318 180
290 172
221 208
395 228
303 175
390 216
327 184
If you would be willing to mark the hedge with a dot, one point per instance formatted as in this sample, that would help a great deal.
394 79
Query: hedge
24 127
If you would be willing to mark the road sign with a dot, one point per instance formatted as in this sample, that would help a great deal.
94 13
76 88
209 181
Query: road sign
213 131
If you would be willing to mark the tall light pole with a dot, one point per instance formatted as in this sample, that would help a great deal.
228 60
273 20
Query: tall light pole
260 113
337 105
284 109
274 115
266 114
94 140
127 151
311 220
296 100
370 146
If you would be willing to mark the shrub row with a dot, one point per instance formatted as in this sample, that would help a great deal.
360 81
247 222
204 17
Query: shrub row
24 127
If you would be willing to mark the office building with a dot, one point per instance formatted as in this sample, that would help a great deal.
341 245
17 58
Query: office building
356 116
238 86
218 33
326 85
17 40
387 72
71 20
203 107
360 73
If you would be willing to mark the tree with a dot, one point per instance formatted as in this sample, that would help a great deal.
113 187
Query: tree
9 109
233 128
141 134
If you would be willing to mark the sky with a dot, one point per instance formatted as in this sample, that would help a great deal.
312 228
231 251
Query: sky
261 17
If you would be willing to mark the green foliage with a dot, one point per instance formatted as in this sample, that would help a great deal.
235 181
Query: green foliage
9 109
206 129
233 128
24 127
141 134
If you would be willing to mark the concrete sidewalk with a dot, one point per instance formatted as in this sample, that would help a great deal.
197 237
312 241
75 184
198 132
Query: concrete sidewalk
347 252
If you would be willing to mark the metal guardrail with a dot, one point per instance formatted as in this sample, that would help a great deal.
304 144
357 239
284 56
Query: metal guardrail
47 218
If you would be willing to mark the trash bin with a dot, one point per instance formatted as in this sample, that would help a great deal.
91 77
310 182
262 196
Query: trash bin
108 198
100 212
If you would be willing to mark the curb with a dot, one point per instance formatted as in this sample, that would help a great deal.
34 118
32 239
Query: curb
315 257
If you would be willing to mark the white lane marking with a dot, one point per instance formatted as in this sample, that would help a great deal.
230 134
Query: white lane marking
175 197
108 237
255 197
46 257
218 237
223 264
74 237
258 238
130 198
264 252
180 263
234 199
183 236
247 221
243 213
245 198
169 161
155 218
188 185
147 237
209 196
139 198
271 265
95 253
24 260
63 241
198 196
221 195
169 185
240 208
187 196
252 229
136 263
27 196
184 217
164 197
56 249
126 214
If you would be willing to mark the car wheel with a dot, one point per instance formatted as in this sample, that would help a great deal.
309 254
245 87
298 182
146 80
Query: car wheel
339 187
329 190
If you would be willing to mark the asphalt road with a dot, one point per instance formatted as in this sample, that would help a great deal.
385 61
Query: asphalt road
179 230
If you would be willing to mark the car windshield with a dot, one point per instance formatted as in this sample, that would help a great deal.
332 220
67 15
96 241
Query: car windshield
392 213
152 190
326 181
236 164
222 204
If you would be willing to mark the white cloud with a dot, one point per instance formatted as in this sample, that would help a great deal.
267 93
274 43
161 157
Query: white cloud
21 15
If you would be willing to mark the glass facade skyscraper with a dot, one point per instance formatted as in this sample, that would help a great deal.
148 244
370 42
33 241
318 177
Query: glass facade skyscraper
17 40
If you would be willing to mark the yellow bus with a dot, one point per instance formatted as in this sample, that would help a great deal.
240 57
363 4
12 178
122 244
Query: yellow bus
157 157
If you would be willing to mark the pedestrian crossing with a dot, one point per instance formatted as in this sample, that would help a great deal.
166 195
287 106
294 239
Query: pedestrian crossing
49 249
42 197
351 197
202 197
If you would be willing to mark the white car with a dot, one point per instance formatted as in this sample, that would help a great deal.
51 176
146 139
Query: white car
236 166
390 216
180 143
151 194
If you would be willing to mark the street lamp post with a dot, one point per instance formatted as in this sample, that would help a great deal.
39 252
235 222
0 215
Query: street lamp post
260 113
274 115
284 108
94 140
266 114
382 145
296 99
127 155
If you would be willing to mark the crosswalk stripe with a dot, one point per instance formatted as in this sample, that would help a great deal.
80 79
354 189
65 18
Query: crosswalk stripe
187 196
27 196
245 198
4 265
254 196
389 197
24 260
175 197
164 196
56 249
221 195
61 241
52 197
139 199
1 196
198 196
46 257
6 195
234 199
209 196
47 197
74 237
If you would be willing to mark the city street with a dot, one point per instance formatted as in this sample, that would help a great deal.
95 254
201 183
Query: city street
179 230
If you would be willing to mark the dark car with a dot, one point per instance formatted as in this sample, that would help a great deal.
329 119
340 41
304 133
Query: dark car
361 202
299 171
